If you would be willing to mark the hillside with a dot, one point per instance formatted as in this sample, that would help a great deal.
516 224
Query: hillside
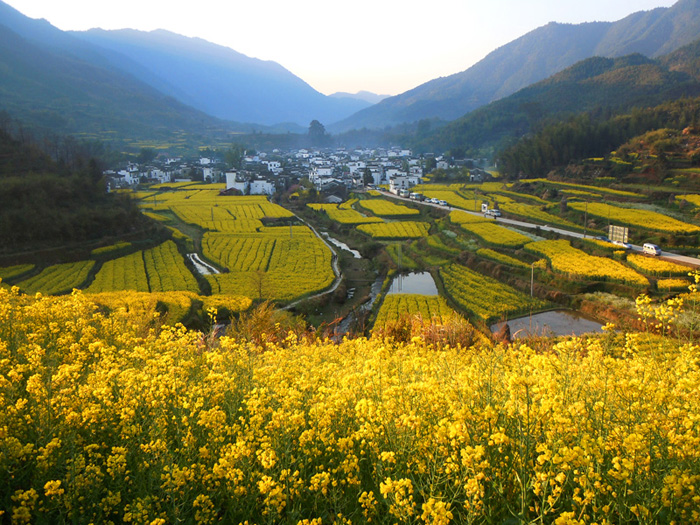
531 58
602 84
48 204
155 85
110 418
635 137
218 80
65 94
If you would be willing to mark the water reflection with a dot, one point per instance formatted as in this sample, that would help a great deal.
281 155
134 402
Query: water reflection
550 324
419 283
342 245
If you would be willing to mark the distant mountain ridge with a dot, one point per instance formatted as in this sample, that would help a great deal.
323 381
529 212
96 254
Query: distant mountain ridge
216 79
531 58
63 94
607 85
367 96
208 78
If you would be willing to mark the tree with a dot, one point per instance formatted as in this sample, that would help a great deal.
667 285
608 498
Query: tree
146 155
317 133
234 156
367 177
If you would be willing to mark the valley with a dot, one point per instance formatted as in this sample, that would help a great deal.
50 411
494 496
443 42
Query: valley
228 298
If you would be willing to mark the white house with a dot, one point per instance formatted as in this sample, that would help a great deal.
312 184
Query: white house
320 172
394 172
159 175
233 182
356 167
399 183
261 187
273 166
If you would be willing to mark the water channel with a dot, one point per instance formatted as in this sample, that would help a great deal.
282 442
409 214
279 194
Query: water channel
554 323
375 289
342 245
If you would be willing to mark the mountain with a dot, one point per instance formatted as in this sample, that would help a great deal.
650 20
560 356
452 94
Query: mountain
646 145
190 76
57 83
67 95
218 80
367 96
531 58
607 85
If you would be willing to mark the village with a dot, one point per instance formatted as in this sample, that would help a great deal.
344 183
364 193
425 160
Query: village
332 172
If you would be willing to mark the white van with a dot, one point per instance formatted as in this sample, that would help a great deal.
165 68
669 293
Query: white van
651 249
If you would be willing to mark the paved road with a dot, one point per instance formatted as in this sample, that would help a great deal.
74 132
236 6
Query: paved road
674 257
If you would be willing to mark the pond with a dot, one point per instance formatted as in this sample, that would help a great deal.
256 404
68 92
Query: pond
557 322
421 283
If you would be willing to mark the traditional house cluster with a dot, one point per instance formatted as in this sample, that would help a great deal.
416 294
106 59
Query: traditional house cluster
265 173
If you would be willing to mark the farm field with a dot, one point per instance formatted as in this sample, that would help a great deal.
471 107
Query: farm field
573 262
10 272
344 215
61 278
501 257
462 217
260 262
535 213
653 266
694 199
271 262
583 187
367 428
158 269
496 235
450 196
385 208
269 265
645 219
484 297
672 284
106 250
396 230
427 307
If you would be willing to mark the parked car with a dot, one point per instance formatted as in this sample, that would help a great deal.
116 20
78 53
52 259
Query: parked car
651 249
442 202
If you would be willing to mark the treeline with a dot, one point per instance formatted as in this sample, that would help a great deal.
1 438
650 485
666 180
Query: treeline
585 136
52 192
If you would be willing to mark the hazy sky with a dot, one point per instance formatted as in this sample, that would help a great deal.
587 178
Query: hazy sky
383 46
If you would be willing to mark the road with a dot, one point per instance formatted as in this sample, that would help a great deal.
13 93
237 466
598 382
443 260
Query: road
674 257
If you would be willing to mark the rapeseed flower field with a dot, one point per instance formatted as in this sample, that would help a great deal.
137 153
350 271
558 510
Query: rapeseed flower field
116 419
